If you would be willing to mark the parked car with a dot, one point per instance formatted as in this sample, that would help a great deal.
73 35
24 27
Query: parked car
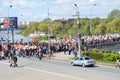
83 61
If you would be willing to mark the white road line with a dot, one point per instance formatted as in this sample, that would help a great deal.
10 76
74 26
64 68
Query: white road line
48 72
53 73
4 62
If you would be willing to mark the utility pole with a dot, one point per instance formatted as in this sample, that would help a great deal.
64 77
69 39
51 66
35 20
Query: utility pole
78 25
8 24
48 34
91 19
12 35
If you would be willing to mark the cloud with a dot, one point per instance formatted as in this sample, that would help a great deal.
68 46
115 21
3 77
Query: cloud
92 1
58 9
62 1
27 4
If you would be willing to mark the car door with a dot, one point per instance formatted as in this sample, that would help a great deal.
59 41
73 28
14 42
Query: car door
76 61
80 61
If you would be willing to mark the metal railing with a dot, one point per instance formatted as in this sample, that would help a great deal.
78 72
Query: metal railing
104 45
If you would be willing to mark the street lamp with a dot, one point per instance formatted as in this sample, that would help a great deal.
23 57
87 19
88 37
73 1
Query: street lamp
79 35
49 34
8 24
91 20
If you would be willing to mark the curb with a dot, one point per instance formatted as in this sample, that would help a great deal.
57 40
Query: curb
97 63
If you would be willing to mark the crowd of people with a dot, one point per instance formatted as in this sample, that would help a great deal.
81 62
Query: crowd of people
39 49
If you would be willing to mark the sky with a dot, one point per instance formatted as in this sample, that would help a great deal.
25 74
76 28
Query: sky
37 10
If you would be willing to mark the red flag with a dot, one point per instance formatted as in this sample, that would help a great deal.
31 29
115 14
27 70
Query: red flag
65 38
34 40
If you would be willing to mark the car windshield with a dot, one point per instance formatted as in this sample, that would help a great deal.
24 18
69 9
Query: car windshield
87 58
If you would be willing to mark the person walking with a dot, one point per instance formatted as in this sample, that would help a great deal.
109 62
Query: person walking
13 57
118 63
75 51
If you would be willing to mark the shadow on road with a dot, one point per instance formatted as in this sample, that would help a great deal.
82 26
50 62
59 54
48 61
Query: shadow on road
24 65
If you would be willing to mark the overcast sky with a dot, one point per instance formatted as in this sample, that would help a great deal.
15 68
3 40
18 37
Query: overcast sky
37 10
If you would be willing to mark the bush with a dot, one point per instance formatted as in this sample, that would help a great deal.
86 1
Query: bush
93 55
97 56
95 50
106 51
112 57
86 53
105 55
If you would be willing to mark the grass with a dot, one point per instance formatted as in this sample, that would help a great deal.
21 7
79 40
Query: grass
106 62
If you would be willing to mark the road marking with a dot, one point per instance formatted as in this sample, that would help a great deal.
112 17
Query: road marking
53 73
4 62
48 72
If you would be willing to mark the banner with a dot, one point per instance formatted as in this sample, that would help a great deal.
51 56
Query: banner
9 22
4 21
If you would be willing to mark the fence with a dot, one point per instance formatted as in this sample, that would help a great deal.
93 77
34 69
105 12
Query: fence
109 45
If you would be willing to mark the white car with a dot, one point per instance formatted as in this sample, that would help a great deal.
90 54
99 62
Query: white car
83 61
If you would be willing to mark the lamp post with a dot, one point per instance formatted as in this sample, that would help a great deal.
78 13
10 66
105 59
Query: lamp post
12 35
8 25
49 34
91 20
79 35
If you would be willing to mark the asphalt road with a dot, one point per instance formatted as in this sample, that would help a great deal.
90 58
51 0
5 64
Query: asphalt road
33 69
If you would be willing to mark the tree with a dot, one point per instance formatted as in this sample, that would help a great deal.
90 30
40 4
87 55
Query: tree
73 29
114 25
114 14
43 27
31 27
95 22
85 26
55 28
101 28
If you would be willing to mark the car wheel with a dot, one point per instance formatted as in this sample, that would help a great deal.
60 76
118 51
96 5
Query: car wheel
83 65
72 64
92 65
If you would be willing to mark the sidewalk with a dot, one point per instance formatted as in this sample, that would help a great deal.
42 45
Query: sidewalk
62 56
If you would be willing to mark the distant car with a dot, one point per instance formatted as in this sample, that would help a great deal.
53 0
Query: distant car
83 61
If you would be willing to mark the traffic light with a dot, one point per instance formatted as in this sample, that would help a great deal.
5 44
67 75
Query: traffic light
79 25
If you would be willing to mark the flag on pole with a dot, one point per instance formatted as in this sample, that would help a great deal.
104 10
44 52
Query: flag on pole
65 38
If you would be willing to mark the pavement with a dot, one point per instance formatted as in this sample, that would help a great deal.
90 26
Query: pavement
62 56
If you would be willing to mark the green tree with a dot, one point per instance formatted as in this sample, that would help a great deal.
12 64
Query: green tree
43 27
31 27
95 22
85 26
55 28
114 14
114 25
73 29
101 28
